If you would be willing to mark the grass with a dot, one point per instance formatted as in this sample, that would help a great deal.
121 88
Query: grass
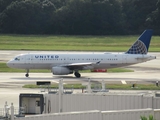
129 87
72 43
5 68
108 86
55 86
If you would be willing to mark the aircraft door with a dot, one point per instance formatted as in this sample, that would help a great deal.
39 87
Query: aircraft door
28 59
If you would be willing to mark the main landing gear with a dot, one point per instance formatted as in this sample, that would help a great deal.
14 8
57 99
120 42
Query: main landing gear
77 74
27 74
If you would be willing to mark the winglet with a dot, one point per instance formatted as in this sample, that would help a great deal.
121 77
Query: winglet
142 44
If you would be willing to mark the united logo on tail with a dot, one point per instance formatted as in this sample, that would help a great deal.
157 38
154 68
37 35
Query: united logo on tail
142 44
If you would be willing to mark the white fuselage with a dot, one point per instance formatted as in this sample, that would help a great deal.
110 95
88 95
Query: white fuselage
106 60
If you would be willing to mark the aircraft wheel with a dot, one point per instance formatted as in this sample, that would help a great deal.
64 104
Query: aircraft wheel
78 75
27 75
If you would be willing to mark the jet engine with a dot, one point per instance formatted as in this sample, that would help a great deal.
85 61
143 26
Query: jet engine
61 71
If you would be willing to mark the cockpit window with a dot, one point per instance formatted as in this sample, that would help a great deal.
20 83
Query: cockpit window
16 58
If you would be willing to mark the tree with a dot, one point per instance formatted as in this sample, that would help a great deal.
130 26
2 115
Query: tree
89 17
26 16
4 4
79 17
154 18
135 13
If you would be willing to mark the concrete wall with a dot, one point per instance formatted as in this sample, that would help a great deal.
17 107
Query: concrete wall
81 102
126 114
84 115
97 115
113 107
156 103
157 114
51 103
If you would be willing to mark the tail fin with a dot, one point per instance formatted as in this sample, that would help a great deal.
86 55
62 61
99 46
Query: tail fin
142 44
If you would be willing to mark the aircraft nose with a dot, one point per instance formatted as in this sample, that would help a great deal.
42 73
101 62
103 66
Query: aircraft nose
9 64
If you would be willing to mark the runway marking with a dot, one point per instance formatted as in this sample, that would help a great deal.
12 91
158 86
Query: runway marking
123 82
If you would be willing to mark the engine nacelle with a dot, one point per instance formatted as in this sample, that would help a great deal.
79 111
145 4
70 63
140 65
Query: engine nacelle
61 71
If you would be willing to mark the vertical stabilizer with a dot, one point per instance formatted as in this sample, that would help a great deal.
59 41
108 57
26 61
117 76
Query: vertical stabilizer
142 44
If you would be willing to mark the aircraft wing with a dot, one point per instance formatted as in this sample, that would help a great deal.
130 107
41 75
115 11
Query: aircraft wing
80 66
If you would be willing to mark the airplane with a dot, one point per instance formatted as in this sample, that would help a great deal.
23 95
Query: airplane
64 64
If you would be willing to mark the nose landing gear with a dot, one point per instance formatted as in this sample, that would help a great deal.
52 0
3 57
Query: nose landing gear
27 74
